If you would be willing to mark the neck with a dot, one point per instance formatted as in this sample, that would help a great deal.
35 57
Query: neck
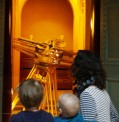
32 109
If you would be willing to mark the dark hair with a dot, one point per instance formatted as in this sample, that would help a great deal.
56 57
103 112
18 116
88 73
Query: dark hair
30 93
86 66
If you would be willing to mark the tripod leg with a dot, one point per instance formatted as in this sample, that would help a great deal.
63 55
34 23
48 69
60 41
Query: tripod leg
16 99
33 70
54 90
51 91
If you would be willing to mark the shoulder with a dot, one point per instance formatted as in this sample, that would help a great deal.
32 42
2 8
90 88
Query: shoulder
47 116
58 119
79 118
87 99
46 113
91 88
94 92
89 93
17 117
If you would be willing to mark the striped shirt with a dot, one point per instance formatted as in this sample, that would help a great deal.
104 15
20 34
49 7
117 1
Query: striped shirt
96 105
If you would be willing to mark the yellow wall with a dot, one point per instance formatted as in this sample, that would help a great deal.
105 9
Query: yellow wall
79 22
16 32
47 19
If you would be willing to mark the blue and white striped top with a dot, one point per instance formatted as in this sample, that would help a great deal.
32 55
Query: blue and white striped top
96 105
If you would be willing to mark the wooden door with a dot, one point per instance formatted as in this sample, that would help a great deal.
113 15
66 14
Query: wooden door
109 46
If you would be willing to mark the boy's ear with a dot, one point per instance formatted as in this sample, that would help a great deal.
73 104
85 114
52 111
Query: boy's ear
60 110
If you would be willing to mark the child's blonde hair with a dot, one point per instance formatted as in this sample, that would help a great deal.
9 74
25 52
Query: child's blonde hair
69 104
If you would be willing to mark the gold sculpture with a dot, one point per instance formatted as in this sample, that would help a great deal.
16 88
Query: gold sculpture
46 57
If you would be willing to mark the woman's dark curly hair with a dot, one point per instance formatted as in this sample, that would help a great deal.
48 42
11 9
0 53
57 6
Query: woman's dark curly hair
86 65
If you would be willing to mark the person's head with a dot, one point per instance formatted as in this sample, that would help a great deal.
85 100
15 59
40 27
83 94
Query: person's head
87 66
30 93
68 105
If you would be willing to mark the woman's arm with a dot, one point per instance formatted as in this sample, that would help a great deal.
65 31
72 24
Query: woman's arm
88 106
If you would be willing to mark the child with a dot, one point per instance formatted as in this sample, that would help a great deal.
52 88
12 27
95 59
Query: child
68 106
31 94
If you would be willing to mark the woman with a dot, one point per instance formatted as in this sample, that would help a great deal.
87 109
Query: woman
90 79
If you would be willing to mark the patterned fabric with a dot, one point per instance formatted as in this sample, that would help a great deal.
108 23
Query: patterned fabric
96 105
29 116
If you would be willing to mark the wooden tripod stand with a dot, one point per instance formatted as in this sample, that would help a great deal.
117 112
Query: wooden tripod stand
47 75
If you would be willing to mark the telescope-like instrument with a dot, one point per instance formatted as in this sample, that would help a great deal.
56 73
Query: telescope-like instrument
47 57
45 53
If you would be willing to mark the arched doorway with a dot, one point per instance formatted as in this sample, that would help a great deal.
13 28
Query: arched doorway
57 20
62 17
